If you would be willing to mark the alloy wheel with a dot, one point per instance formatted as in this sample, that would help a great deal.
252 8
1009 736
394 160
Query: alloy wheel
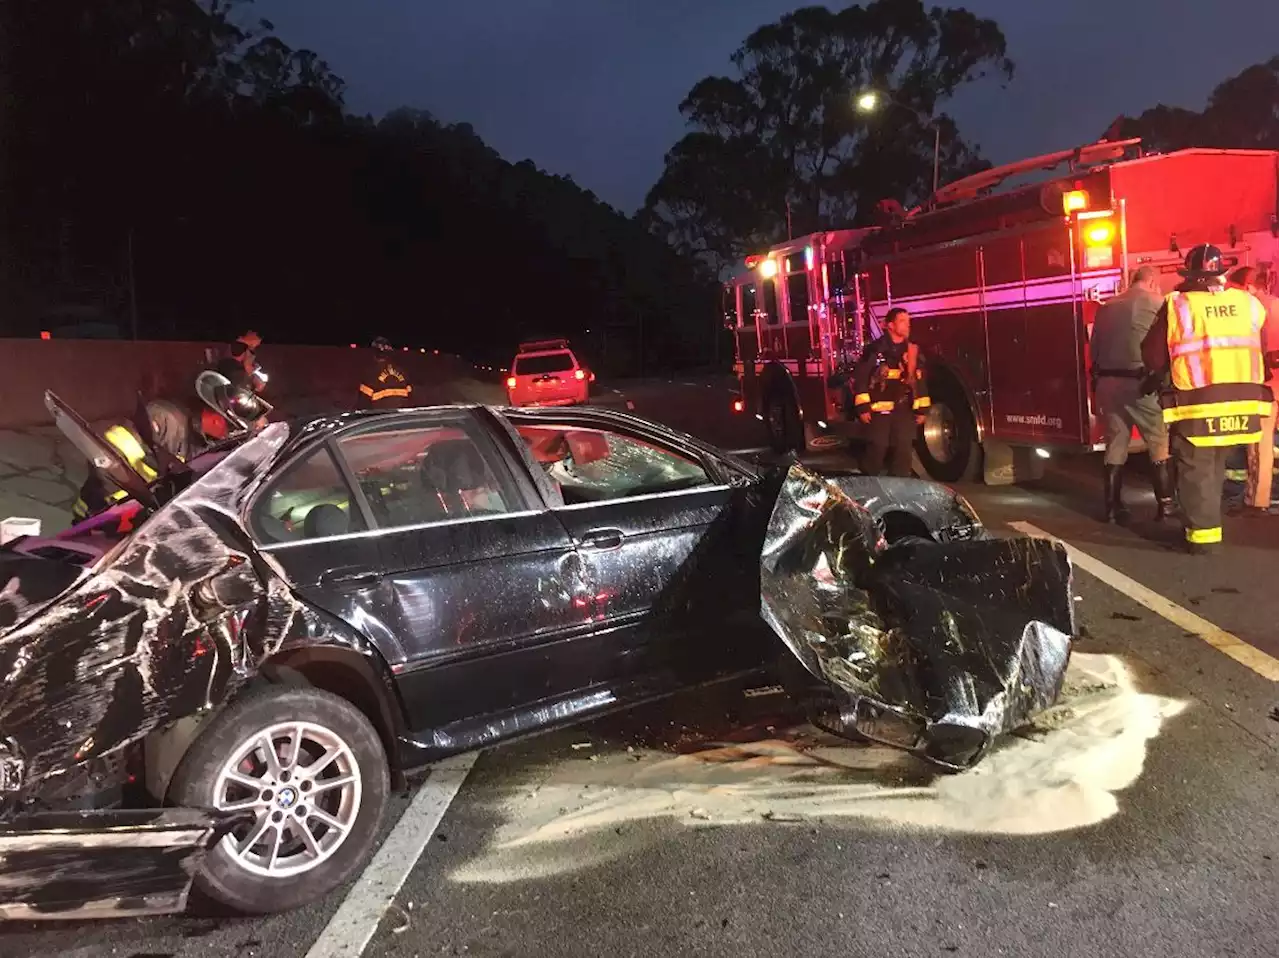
302 784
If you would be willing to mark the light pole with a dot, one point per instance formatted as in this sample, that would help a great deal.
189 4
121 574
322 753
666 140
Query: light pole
869 102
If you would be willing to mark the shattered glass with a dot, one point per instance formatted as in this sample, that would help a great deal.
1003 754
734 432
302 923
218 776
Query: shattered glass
935 648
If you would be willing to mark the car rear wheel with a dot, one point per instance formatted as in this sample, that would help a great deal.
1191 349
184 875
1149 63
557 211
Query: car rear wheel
310 772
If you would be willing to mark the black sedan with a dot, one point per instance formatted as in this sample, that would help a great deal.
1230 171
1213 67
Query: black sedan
281 629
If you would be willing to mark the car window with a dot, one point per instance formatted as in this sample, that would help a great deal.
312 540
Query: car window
596 465
546 363
310 500
420 474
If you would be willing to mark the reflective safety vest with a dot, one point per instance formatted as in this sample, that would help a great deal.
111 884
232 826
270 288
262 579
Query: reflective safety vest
1215 363
390 387
134 453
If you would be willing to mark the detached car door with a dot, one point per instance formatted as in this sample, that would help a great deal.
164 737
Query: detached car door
656 532
483 587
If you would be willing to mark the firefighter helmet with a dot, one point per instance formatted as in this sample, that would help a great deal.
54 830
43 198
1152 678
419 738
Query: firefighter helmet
1203 261
240 407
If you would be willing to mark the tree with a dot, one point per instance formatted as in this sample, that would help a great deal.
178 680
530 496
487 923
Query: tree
782 140
1241 114
182 151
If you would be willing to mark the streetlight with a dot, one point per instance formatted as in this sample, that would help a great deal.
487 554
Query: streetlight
869 102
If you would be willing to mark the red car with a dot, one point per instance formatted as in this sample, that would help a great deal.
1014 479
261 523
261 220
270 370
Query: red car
547 373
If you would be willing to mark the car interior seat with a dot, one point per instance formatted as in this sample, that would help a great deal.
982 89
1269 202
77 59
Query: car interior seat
325 520
450 468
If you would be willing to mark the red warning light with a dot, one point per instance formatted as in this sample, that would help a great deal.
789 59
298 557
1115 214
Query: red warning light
45 334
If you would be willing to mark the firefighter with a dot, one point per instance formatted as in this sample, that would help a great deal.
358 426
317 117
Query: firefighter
890 395
386 386
1125 393
95 493
241 366
1260 458
1209 338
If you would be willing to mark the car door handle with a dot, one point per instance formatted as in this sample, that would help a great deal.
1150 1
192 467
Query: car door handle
602 539
349 579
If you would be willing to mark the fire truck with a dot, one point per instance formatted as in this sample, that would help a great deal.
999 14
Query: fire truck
1002 284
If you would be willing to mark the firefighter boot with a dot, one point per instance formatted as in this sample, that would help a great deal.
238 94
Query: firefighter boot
1112 486
1162 483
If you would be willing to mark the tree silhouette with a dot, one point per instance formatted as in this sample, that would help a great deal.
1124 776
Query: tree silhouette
782 140
186 147
1241 114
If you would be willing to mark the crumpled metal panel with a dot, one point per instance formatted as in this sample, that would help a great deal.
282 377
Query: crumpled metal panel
111 864
169 625
935 648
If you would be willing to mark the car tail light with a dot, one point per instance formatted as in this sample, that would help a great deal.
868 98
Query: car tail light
579 375
738 405
511 382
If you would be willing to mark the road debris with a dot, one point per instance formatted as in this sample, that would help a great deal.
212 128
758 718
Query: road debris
401 928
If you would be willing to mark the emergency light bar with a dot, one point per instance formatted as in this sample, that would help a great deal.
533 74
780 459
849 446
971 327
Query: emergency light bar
539 345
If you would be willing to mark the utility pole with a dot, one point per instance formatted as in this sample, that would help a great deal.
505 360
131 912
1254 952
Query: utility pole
937 142
640 329
133 291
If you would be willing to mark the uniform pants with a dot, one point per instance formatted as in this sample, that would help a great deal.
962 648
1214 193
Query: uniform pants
890 433
1201 471
1257 490
1122 406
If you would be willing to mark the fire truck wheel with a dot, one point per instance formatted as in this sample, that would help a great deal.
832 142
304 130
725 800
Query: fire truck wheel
782 420
948 441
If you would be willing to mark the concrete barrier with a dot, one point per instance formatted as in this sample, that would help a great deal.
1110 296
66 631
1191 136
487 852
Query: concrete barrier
41 473
102 378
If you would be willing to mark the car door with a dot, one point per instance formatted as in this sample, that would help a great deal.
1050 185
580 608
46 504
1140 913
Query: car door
651 522
311 521
483 587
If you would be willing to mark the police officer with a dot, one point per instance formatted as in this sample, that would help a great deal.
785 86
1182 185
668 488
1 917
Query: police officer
1123 397
386 386
1209 338
890 395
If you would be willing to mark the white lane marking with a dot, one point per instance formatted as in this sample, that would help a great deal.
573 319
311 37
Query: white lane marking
1220 639
353 924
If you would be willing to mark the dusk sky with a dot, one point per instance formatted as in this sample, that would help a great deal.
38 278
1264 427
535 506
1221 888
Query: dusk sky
590 88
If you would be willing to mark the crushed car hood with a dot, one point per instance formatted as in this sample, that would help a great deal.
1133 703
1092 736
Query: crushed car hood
935 648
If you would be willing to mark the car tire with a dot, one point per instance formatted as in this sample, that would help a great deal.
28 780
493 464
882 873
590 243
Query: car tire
947 443
247 880
782 422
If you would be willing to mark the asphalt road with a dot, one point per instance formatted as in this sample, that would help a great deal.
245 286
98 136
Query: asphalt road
1141 818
